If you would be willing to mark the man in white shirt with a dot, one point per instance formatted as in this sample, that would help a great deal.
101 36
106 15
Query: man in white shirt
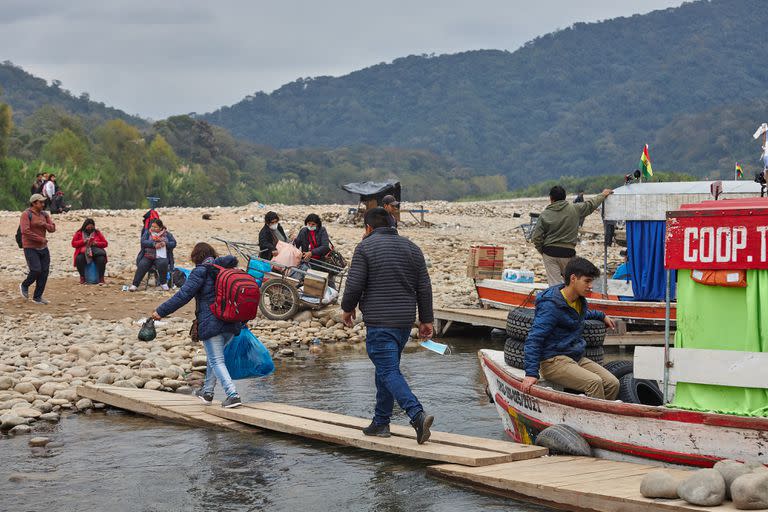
49 189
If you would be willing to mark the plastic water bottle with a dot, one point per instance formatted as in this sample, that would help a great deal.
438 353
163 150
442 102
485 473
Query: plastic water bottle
517 275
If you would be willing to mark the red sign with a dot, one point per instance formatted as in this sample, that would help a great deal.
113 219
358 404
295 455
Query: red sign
718 235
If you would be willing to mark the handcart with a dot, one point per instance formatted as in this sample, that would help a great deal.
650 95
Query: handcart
281 297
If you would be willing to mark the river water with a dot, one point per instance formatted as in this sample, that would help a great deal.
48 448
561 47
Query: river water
119 461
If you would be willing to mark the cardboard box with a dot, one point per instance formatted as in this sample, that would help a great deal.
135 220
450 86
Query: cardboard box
315 283
485 262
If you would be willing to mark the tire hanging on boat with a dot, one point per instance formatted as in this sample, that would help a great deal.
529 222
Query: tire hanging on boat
514 353
639 391
520 320
563 439
619 368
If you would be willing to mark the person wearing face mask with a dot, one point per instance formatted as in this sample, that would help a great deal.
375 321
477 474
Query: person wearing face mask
270 234
157 246
313 239
89 246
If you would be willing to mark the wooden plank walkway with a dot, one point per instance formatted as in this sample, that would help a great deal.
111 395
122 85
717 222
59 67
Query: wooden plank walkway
345 430
570 483
175 407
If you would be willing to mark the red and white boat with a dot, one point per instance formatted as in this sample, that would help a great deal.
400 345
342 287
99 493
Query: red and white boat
697 237
622 431
508 295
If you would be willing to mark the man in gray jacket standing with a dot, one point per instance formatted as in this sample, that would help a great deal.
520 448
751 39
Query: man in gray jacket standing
388 278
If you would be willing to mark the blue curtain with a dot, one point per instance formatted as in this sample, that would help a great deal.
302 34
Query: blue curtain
645 248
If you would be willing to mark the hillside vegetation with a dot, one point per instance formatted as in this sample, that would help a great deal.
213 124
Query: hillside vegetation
688 81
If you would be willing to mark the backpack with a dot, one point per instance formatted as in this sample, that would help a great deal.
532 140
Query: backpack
18 231
237 295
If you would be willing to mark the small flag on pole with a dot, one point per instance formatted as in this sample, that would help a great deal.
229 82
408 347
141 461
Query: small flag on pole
645 163
739 172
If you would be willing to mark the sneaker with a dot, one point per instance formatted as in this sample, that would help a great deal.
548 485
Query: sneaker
164 287
101 281
40 301
24 291
377 430
231 402
207 398
82 280
421 424
132 288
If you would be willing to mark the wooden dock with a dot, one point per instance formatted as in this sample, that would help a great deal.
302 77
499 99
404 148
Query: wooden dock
499 467
347 431
570 483
174 407
492 318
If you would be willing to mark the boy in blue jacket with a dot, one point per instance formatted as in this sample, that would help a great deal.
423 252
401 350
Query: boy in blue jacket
555 348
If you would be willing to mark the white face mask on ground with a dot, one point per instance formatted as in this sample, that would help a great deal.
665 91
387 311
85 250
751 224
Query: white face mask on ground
273 227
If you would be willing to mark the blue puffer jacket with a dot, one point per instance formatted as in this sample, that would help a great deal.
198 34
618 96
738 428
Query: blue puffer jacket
201 286
556 329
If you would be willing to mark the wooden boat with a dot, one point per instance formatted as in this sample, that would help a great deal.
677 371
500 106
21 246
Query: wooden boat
623 431
508 295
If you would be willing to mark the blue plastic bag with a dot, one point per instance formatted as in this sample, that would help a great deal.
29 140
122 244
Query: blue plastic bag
246 357
91 273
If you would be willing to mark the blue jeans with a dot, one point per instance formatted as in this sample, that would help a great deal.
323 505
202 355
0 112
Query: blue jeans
384 346
214 351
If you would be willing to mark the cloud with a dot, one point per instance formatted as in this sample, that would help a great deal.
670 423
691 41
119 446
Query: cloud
165 57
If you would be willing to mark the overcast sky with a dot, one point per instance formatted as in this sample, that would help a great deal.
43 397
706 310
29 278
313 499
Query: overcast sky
169 57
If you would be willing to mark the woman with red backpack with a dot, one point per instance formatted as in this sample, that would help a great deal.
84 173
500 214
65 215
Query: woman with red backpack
211 330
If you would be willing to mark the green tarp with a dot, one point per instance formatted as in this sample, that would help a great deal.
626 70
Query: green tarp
720 318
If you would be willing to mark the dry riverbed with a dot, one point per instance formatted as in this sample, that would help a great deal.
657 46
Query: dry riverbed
88 334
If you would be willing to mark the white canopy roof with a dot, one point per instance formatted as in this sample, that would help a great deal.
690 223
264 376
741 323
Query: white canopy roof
651 201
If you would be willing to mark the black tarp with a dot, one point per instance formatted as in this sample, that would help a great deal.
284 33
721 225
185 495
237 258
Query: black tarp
374 189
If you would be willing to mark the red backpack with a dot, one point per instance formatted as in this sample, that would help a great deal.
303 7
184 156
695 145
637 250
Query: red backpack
237 295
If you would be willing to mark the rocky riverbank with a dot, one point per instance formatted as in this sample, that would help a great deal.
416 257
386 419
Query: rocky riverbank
89 333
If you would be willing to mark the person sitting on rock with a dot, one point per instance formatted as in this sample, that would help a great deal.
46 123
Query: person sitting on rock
157 246
213 332
555 348
313 239
270 234
89 246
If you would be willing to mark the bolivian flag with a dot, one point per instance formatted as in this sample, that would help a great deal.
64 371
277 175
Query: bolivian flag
645 163
739 172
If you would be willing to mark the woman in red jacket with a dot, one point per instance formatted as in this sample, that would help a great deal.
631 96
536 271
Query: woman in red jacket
89 246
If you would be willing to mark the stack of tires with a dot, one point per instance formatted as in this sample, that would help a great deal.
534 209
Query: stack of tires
519 322
632 390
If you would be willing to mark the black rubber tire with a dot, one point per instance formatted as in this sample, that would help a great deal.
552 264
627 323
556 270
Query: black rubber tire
514 353
639 391
619 368
563 440
596 354
285 297
519 322
594 333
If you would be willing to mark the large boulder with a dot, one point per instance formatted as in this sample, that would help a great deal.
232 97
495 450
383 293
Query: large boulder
659 484
705 487
731 470
750 491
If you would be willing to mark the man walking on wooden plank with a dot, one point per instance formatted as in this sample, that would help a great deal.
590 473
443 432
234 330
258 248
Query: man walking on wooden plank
388 278
557 230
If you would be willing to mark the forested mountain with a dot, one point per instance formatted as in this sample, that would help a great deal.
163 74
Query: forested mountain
26 93
689 81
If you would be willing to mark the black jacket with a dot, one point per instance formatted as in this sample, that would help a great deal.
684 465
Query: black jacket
323 242
268 241
388 278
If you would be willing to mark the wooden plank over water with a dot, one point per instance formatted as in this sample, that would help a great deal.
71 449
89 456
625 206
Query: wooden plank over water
175 407
517 450
570 483
354 437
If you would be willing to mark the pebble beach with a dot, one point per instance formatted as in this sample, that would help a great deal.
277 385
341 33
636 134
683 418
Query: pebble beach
88 333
